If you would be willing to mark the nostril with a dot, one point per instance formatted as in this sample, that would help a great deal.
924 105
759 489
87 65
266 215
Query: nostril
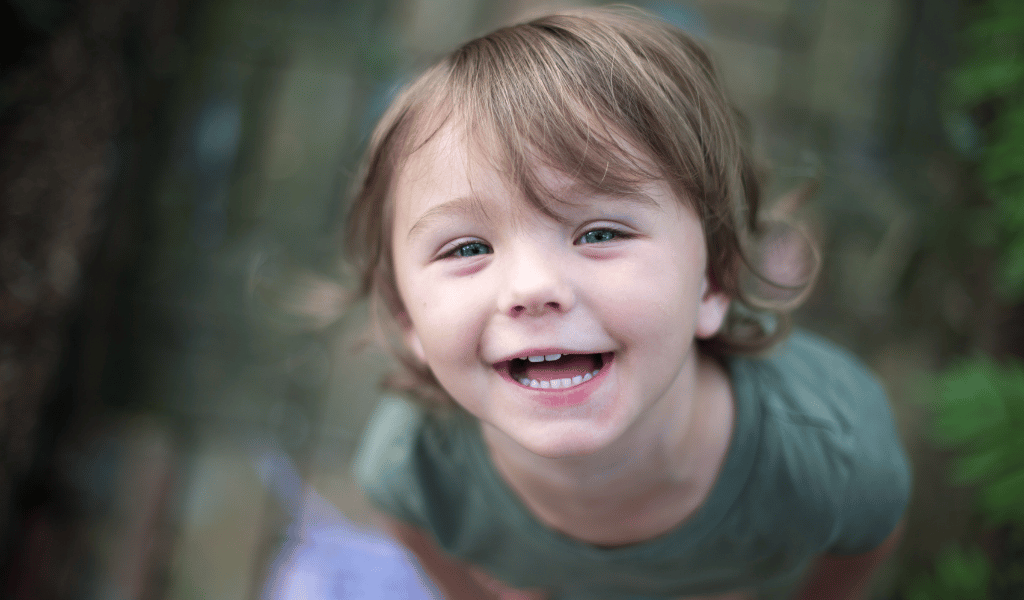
535 310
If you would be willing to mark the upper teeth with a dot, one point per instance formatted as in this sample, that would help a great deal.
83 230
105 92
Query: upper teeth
544 357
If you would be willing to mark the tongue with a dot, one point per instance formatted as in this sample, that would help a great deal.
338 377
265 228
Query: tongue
570 365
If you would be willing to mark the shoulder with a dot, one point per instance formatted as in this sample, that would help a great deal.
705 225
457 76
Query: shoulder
829 438
405 455
811 381
810 385
429 470
388 436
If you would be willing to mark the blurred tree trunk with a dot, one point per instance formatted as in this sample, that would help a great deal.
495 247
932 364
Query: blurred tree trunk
82 90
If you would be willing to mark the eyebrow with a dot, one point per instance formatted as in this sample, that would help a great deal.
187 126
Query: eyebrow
582 194
575 196
459 206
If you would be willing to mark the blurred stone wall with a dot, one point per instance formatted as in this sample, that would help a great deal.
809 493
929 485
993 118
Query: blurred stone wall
79 98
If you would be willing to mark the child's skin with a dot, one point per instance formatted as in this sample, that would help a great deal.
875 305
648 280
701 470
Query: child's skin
485 277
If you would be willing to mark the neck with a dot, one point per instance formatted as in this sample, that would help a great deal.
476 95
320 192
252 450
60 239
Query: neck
646 482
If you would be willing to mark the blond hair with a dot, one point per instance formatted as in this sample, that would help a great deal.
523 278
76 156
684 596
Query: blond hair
581 92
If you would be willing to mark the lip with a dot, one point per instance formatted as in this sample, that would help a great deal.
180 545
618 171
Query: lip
561 397
541 352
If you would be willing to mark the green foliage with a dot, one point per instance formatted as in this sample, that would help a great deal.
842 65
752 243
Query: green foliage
991 76
979 403
980 413
960 574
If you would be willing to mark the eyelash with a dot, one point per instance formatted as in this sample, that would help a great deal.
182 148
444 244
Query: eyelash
615 233
453 253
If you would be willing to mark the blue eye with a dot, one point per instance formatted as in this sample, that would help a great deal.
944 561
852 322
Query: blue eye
596 236
470 249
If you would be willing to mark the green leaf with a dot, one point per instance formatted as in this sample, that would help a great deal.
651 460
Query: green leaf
987 77
1003 500
977 467
1011 206
980 413
958 574
965 573
921 588
1011 273
1001 18
1012 384
1002 163
970 406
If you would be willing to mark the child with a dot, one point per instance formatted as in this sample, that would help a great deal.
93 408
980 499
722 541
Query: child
552 225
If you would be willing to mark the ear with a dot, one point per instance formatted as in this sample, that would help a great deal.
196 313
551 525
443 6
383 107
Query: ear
714 304
411 338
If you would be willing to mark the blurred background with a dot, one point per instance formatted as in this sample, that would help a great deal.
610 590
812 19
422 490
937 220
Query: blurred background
173 173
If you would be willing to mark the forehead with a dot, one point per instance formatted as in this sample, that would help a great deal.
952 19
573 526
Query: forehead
432 154
439 166
451 173
447 160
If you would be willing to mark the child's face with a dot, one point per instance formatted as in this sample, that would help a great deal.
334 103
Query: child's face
618 288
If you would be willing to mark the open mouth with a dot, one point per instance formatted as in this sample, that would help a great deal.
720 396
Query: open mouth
556 371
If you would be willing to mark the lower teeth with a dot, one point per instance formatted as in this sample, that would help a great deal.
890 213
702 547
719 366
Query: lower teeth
565 382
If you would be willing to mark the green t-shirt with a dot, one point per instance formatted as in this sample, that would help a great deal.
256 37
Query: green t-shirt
814 466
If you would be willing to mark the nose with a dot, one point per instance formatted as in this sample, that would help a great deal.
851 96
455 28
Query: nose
536 284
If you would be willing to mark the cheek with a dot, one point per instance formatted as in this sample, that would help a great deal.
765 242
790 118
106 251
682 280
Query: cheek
448 319
653 302
662 286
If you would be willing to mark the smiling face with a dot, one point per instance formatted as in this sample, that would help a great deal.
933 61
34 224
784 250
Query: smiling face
561 334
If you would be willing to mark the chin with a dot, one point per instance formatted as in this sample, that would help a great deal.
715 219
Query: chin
564 440
554 432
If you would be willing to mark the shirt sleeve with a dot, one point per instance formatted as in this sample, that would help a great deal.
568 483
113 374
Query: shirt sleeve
878 484
841 448
385 465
